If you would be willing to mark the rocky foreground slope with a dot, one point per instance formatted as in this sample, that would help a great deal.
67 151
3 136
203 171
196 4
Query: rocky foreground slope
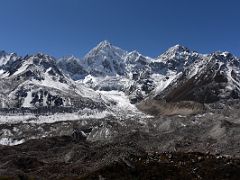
61 158
203 146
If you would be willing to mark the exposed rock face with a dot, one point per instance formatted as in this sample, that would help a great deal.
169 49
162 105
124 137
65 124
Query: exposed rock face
72 67
208 80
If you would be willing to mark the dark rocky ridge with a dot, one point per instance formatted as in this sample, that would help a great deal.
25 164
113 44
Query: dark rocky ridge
204 87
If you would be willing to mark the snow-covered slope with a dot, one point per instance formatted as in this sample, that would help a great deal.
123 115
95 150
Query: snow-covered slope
36 81
111 68
108 68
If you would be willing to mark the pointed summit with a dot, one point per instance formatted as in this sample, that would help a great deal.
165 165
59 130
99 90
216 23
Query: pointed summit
71 58
178 48
174 52
105 59
106 49
6 57
40 58
104 43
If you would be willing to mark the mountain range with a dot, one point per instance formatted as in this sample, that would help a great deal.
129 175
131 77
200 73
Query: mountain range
178 75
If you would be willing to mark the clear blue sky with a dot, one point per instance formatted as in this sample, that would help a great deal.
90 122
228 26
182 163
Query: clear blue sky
65 27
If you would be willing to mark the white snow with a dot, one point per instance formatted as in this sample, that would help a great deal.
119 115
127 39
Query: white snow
22 68
123 105
27 100
197 67
232 81
10 142
163 82
13 119
3 74
225 53
4 59
31 118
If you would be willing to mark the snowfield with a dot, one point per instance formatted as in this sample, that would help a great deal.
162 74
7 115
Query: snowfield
121 107
32 118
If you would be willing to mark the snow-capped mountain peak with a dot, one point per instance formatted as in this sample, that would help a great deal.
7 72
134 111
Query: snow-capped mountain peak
223 56
177 57
69 59
5 57
175 52
32 66
105 49
41 57
72 58
105 59
136 57
132 56
178 48
104 44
